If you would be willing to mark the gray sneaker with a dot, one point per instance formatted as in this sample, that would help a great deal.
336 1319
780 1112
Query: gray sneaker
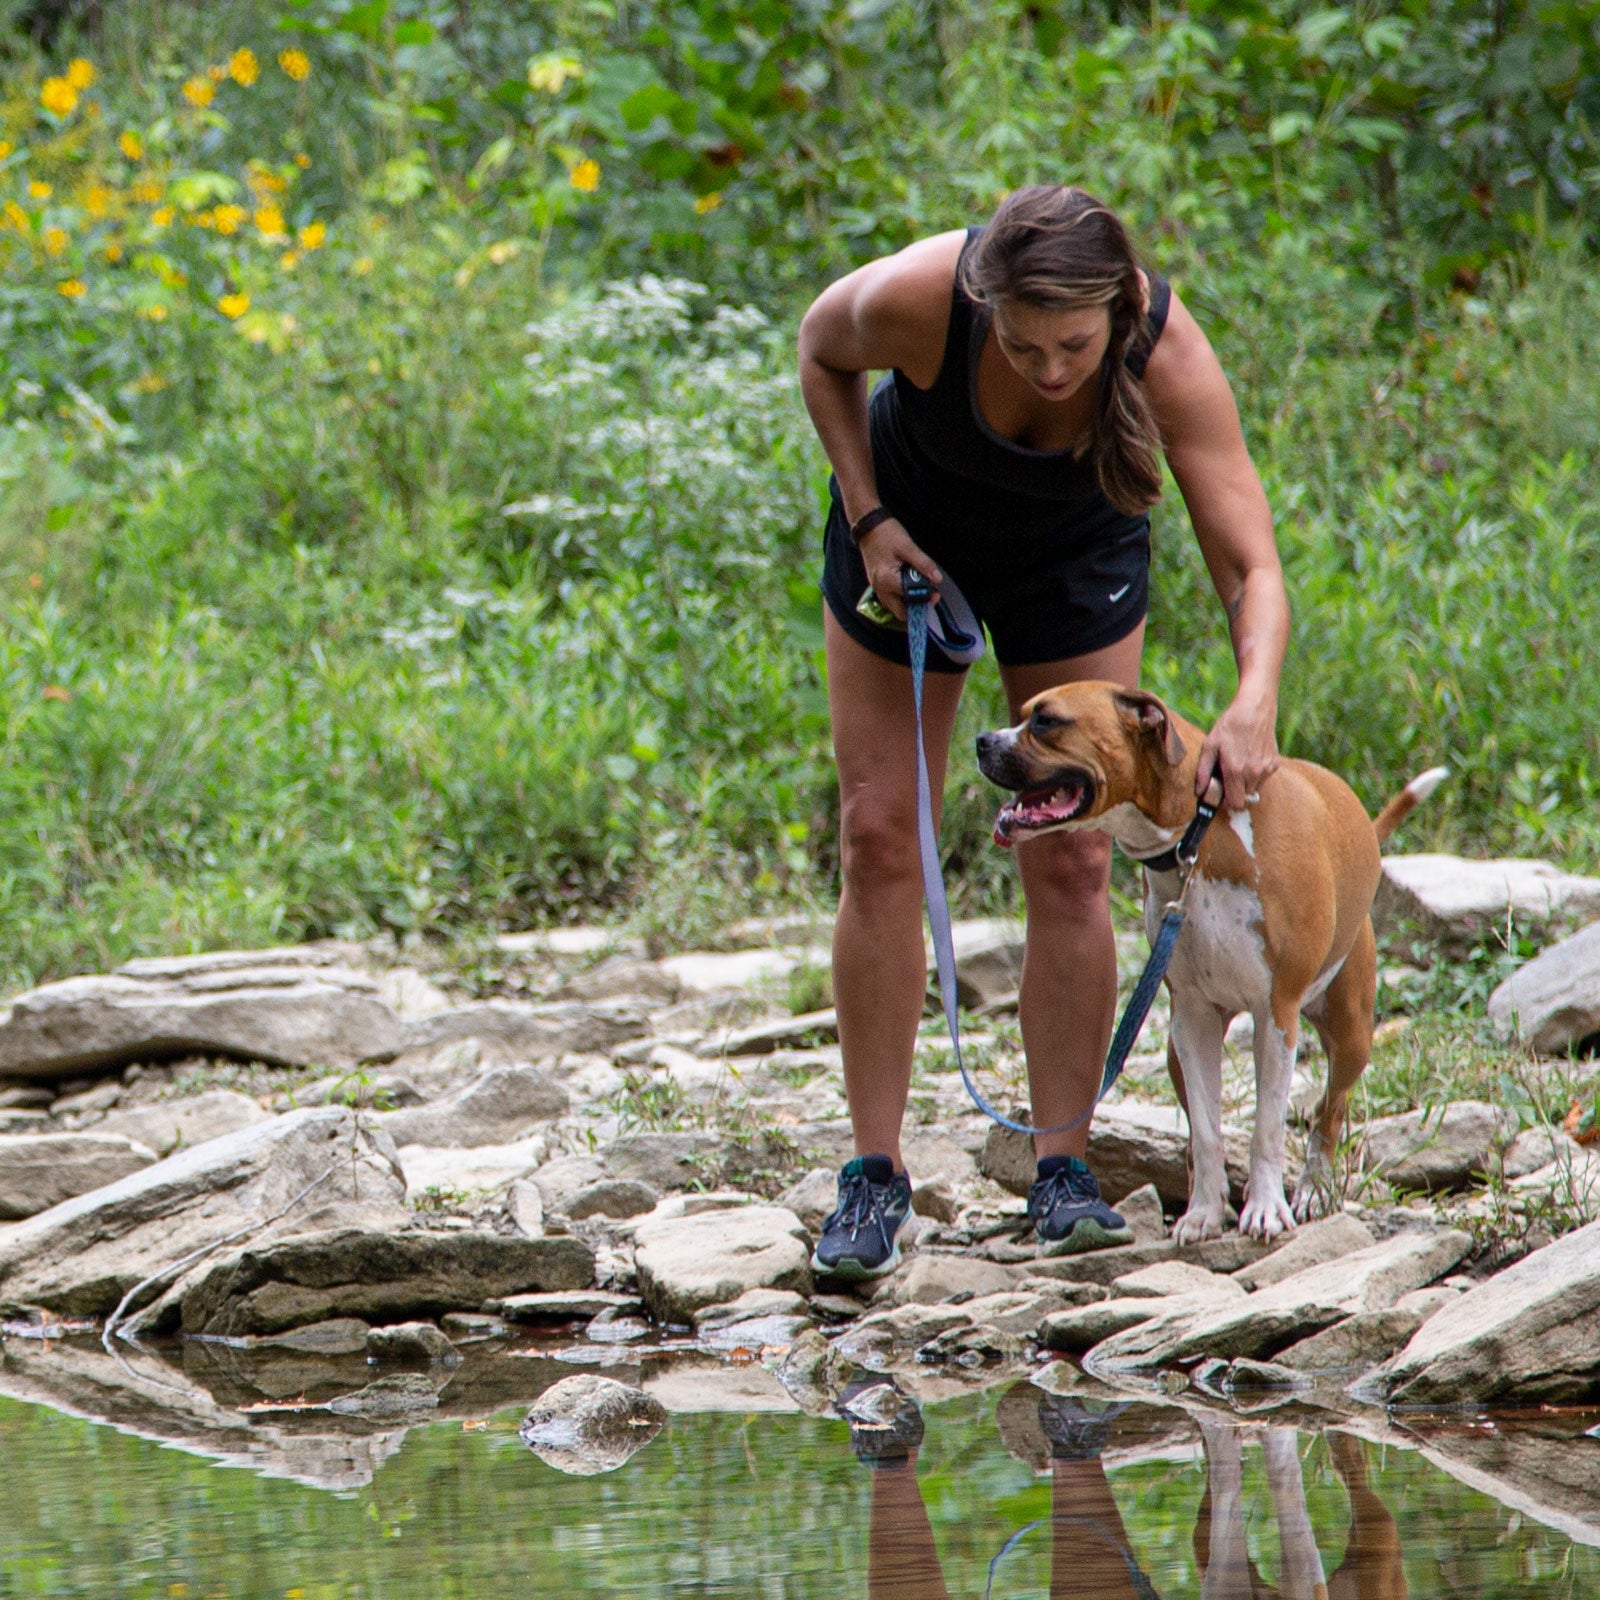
1067 1212
858 1238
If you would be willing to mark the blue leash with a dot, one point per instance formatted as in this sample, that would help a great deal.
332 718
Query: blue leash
919 600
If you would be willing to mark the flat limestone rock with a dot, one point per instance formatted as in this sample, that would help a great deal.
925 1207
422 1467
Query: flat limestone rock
988 960
80 1257
587 1424
1437 1149
812 1197
1018 1311
612 1197
1308 1246
484 1169
559 1305
1543 1472
1356 1344
688 1262
40 1170
352 1272
512 1031
1168 1278
1081 1328
1553 1001
1530 1332
1457 901
928 1279
499 1108
1269 1319
165 1126
1535 1148
688 1387
268 1008
782 1034
665 1161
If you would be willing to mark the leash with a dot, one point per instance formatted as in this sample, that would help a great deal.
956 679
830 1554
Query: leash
919 603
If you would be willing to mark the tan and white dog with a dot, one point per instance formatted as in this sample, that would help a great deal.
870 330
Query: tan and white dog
1278 917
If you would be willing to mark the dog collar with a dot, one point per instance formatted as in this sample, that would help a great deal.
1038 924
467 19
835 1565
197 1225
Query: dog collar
1184 852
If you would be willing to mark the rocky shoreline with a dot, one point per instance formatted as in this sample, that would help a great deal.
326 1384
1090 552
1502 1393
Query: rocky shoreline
243 1169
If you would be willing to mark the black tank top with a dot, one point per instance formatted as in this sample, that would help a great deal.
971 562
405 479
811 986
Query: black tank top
964 491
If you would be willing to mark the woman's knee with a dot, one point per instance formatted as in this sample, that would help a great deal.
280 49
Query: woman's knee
878 844
1067 872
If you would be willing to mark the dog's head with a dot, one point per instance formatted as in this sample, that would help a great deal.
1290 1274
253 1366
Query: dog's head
1079 752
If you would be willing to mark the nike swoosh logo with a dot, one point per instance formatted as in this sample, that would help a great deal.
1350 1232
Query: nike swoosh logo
1113 598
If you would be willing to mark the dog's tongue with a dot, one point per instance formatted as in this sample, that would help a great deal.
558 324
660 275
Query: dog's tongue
1037 808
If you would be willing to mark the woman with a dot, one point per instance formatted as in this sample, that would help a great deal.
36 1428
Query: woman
1036 376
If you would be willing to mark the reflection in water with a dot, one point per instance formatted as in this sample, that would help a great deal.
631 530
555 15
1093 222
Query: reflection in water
1091 1554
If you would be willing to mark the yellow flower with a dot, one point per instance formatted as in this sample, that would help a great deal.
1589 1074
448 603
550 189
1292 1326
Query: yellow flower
113 251
72 288
198 92
361 266
58 97
40 190
146 191
132 146
228 218
234 306
707 203
54 240
312 235
151 382
296 63
217 73
302 160
269 222
97 199
201 219
502 250
162 217
586 176
17 217
550 73
156 313
243 67
6 147
80 73
289 260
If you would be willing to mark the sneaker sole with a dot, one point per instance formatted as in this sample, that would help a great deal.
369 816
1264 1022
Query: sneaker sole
1085 1236
852 1270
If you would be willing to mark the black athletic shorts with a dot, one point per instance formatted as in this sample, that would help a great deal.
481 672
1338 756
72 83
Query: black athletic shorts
1047 608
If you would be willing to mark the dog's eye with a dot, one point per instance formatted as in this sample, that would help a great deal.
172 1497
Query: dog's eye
1045 722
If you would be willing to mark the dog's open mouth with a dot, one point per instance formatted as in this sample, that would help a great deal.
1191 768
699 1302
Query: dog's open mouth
1035 810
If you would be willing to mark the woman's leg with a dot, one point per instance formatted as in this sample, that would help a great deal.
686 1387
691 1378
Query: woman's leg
879 968
1069 967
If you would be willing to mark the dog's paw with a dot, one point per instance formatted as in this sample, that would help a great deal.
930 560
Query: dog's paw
1198 1223
1266 1216
1313 1194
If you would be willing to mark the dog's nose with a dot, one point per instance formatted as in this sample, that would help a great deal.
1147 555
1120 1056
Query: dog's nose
986 743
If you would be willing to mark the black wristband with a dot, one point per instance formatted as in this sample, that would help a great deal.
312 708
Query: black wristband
867 521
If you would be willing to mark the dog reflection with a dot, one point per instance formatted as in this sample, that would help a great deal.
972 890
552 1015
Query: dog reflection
1091 1556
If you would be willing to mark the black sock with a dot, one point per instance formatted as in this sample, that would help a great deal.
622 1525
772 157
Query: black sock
877 1169
1049 1166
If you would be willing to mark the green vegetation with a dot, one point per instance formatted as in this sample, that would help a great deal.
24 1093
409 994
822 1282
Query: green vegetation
407 516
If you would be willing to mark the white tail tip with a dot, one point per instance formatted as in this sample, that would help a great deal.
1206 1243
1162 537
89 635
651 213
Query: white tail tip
1425 783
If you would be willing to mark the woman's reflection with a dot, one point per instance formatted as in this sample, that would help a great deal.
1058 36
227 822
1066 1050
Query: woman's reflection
1091 1553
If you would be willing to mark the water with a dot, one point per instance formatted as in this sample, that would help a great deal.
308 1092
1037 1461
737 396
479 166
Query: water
181 1493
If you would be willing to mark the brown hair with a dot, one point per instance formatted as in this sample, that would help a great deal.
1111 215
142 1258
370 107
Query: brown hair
1054 246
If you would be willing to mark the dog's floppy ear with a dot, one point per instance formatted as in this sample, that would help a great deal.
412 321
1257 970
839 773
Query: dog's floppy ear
1148 713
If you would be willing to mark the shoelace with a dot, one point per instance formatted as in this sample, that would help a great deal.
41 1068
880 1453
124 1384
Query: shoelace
1079 1186
856 1205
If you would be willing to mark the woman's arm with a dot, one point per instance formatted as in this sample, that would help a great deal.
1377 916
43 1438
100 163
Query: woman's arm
1206 450
889 313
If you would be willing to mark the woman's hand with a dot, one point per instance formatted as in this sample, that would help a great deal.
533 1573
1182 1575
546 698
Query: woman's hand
1244 744
884 551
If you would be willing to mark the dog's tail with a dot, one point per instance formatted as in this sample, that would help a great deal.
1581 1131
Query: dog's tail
1408 800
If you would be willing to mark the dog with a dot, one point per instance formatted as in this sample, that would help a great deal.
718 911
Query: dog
1278 917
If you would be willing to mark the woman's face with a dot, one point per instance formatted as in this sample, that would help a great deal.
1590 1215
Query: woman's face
1056 351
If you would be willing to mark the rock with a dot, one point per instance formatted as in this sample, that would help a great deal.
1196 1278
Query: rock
25 1122
623 976
568 943
1457 901
471 1327
1102 1266
1142 1212
481 1170
41 1170
557 1180
165 1126
814 1374
1544 1471
263 1005
665 1161
79 1258
988 960
612 1197
1422 1303
687 1263
372 1091
980 1345
1164 1279
935 1200
403 1394
1534 1148
929 1279
560 1305
836 1307
769 1333
877 1339
1081 1328
410 994
691 1387
1434 1149
376 1276
1018 1311
765 1037
716 972
1308 1246
91 1102
525 1207
500 1107
1245 1376
339 1336
508 1030
1272 1318
411 1341
813 1197
26 1097
1131 1143
1357 1343
1531 1332
752 1303
587 1424
1553 1001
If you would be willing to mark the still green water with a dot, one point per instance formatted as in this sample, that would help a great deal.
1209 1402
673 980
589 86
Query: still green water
777 1507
